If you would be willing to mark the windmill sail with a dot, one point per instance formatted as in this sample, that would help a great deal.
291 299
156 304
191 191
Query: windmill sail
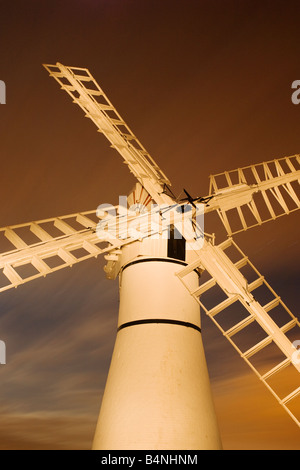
250 196
36 249
86 93
273 320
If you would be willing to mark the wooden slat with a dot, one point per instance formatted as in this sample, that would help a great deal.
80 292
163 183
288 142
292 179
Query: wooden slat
15 239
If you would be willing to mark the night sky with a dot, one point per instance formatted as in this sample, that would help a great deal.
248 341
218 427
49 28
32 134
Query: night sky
206 87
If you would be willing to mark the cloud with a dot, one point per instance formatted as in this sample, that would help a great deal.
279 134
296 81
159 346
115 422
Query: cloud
45 431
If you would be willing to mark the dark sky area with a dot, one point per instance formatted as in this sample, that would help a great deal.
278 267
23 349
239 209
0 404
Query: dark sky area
206 87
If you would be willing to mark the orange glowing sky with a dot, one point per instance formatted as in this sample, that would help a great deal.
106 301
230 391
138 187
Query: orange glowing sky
206 87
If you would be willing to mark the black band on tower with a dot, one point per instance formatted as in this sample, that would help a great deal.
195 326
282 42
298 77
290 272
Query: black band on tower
160 320
163 260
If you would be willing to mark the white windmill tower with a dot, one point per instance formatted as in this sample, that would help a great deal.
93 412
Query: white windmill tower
158 394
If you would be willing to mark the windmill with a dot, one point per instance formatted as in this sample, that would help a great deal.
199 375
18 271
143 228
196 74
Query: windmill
157 394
